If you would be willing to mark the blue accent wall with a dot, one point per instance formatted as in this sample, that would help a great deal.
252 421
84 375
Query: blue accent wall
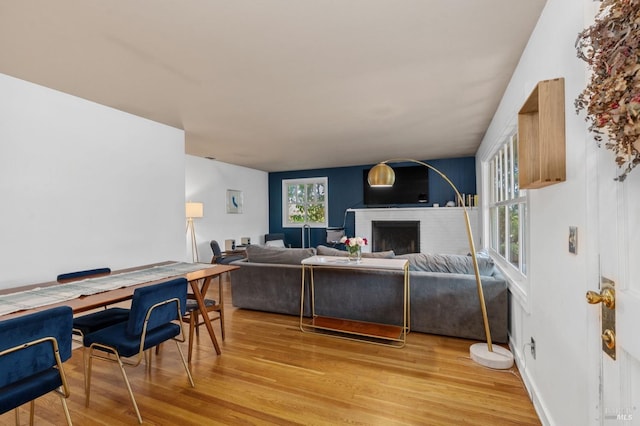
346 191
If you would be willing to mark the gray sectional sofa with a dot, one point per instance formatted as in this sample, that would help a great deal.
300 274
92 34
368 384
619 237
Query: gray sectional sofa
444 298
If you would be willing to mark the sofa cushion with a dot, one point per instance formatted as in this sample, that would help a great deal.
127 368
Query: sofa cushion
330 251
452 263
286 256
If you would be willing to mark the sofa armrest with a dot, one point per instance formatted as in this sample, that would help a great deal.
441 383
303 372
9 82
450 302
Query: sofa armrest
268 287
448 304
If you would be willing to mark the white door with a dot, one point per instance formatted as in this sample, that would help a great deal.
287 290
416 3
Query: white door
615 384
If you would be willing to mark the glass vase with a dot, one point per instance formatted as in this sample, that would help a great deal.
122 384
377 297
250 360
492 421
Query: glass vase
355 254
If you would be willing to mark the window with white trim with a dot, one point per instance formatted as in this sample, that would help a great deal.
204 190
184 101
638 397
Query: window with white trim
305 202
508 207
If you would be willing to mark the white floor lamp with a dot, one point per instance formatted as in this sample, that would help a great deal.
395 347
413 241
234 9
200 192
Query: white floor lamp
382 175
193 211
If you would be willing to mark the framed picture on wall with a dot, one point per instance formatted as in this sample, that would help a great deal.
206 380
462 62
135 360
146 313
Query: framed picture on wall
234 201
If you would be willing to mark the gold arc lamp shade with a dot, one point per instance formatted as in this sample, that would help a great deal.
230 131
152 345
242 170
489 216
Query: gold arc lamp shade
382 175
193 211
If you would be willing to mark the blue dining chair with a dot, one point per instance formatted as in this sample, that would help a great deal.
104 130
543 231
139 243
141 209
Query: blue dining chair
219 257
95 321
80 275
155 317
88 323
32 350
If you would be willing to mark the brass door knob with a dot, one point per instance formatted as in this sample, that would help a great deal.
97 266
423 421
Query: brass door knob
609 339
606 296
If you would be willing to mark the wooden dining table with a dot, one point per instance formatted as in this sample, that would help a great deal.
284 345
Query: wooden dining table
198 280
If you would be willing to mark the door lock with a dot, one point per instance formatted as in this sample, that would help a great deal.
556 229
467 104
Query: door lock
609 339
607 298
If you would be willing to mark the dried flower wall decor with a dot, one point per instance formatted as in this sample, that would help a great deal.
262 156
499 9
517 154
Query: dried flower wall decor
611 48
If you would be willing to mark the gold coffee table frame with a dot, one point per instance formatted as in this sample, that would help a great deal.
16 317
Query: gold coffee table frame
376 333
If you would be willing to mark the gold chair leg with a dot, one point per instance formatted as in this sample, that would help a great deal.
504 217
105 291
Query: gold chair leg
32 411
124 376
148 355
192 326
66 410
186 367
126 382
84 366
87 379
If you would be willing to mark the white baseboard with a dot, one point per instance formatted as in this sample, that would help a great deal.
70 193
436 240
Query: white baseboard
532 390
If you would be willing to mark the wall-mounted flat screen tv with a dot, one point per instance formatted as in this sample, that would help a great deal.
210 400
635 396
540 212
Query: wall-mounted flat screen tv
411 187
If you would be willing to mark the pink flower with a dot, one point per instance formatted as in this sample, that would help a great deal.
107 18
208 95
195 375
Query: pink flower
354 241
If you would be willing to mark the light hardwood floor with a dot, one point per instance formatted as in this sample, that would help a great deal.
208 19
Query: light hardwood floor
272 373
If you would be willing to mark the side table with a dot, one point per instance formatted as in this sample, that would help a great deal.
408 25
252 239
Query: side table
376 333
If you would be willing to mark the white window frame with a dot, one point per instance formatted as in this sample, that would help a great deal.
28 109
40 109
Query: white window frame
504 193
285 202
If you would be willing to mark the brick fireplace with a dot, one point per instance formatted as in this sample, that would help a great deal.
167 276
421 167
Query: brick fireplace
441 230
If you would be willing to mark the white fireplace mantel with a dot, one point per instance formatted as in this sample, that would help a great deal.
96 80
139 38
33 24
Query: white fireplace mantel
442 229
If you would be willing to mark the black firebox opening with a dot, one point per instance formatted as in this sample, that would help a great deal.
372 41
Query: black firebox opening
401 236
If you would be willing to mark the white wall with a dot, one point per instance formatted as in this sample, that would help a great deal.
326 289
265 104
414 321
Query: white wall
553 309
207 181
84 186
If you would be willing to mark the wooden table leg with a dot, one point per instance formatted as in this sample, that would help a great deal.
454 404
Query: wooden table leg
201 305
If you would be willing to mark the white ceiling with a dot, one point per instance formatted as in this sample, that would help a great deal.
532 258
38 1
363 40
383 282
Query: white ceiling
282 84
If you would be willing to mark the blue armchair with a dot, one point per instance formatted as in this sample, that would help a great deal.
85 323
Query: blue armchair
32 350
155 309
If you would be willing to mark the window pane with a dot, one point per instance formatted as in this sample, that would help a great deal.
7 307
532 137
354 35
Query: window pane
514 231
296 213
493 228
494 184
508 172
499 177
315 213
291 194
301 193
320 192
311 193
315 193
516 189
523 245
501 231
505 174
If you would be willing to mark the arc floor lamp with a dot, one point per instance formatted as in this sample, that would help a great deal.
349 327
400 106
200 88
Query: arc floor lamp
382 175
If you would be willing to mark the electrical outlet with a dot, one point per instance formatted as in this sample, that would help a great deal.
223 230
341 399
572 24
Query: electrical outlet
533 348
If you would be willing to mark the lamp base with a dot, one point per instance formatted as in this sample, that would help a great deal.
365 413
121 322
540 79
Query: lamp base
499 359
